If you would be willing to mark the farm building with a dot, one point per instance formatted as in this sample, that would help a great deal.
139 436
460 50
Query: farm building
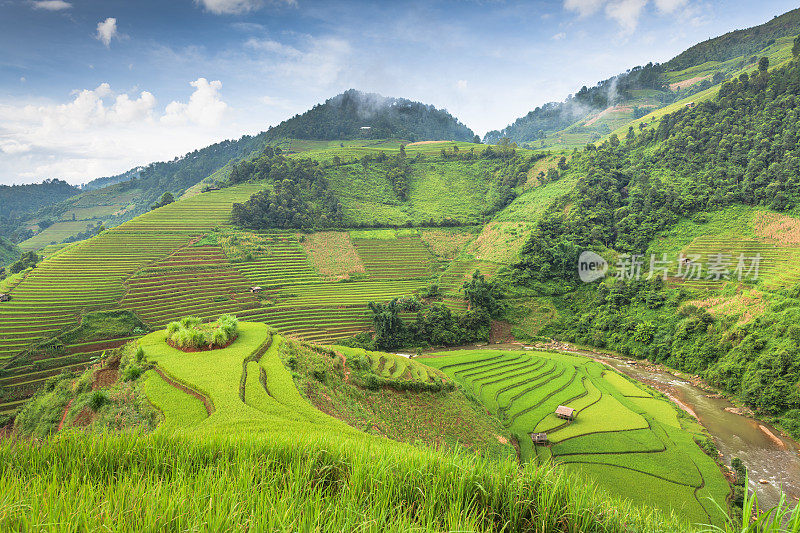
539 438
256 289
5 297
567 413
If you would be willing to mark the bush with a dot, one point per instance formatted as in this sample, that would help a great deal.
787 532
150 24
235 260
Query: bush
190 333
97 400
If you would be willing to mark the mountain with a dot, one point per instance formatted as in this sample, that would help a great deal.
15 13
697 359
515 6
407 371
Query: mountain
594 112
18 200
739 43
357 115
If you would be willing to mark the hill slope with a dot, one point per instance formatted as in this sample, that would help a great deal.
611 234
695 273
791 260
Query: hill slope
594 112
353 115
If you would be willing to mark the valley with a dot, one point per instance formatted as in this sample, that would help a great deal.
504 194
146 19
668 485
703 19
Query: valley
367 317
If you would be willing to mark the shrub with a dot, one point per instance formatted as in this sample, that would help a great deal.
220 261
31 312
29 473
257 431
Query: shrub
190 333
97 400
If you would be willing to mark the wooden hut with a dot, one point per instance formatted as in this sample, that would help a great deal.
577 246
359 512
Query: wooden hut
5 297
539 438
567 413
256 289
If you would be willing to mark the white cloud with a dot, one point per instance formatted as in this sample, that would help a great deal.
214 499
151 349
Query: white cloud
625 12
235 7
51 5
107 30
14 147
584 7
670 6
559 36
315 62
205 106
461 85
99 132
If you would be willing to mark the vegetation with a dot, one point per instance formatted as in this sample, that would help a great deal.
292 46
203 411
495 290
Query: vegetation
353 115
636 190
631 440
19 200
189 333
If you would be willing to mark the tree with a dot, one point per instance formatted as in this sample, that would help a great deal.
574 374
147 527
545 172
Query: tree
796 47
763 64
476 140
166 199
481 294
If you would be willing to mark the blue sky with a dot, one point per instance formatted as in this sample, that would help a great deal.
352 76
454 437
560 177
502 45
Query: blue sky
91 88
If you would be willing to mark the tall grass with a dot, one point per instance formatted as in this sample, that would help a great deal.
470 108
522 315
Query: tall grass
779 519
79 482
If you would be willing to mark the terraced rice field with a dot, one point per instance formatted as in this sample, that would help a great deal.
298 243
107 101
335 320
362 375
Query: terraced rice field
779 265
93 275
282 262
401 258
629 439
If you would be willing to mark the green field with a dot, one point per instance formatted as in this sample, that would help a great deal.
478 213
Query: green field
630 440
246 451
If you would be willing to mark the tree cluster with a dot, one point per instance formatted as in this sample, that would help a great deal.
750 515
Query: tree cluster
355 115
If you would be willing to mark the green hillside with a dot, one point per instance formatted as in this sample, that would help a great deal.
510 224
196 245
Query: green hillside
356 115
632 97
258 396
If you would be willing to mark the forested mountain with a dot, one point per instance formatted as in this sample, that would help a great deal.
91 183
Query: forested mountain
652 83
17 200
355 115
738 43
738 149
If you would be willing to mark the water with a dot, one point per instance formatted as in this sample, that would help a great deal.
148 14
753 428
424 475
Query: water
735 435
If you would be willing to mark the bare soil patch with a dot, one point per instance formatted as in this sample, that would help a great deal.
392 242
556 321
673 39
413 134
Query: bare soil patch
746 307
687 83
420 143
445 244
500 332
776 228
332 254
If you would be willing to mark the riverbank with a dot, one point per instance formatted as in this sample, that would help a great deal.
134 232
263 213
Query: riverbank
771 457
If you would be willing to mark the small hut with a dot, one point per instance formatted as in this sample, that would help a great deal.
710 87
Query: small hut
567 413
539 438
5 297
256 289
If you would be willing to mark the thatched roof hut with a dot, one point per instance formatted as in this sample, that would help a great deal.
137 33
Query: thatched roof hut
256 289
567 413
539 438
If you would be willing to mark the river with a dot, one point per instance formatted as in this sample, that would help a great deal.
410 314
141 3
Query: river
773 463
772 466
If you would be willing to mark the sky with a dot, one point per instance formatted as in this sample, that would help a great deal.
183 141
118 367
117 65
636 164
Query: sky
92 88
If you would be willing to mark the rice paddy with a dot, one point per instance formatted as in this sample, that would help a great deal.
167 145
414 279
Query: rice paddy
626 437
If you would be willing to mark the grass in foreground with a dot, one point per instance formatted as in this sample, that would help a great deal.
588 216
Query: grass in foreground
289 483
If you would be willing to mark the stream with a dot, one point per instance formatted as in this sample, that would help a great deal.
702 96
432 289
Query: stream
772 467
734 434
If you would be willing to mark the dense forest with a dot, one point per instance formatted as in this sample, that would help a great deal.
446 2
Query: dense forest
356 115
738 43
18 200
298 197
741 148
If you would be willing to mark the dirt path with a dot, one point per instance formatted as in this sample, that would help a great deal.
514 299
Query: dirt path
687 83
345 370
206 401
64 416
420 143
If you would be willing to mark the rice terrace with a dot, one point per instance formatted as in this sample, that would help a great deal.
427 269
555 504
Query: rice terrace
364 315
